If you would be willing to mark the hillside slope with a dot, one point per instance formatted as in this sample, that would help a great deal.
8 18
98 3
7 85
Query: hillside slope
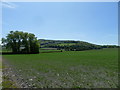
68 45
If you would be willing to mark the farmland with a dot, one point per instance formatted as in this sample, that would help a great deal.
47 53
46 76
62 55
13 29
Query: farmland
68 69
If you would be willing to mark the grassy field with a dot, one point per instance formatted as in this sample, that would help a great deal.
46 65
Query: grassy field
66 44
68 69
41 50
49 50
5 50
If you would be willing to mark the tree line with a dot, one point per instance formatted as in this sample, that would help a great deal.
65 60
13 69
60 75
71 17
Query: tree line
75 47
110 46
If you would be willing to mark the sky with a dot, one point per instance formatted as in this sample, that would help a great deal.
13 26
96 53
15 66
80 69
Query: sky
94 22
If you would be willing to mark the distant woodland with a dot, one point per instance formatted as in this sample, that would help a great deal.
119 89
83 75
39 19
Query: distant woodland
24 42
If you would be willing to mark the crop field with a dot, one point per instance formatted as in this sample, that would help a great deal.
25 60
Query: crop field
68 69
5 50
66 44
42 50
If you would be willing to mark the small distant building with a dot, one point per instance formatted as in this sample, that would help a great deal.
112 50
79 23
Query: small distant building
22 48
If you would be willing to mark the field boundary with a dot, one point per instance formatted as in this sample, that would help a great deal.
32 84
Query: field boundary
11 53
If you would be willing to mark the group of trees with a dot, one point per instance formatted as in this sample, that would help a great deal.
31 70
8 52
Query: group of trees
21 42
77 46
80 46
110 46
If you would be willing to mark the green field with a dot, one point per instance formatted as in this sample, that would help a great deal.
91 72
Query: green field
66 44
48 50
41 50
68 69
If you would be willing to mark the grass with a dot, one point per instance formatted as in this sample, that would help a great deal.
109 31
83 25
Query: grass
41 50
66 44
49 50
5 50
75 69
7 83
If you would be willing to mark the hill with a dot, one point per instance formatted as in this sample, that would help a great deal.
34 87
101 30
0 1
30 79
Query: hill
68 45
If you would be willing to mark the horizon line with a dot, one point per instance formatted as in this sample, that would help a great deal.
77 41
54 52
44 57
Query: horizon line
76 40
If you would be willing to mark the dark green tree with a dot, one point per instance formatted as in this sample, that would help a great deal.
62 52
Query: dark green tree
17 39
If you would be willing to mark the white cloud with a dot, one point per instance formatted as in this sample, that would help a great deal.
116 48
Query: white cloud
7 4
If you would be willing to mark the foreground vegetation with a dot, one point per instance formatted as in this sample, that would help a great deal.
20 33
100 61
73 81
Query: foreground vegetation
68 69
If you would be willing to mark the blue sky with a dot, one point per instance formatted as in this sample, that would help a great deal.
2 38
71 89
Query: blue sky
95 22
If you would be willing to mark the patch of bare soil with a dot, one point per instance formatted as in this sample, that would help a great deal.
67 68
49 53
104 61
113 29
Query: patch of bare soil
10 75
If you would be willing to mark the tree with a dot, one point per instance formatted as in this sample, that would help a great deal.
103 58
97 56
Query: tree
3 42
17 39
